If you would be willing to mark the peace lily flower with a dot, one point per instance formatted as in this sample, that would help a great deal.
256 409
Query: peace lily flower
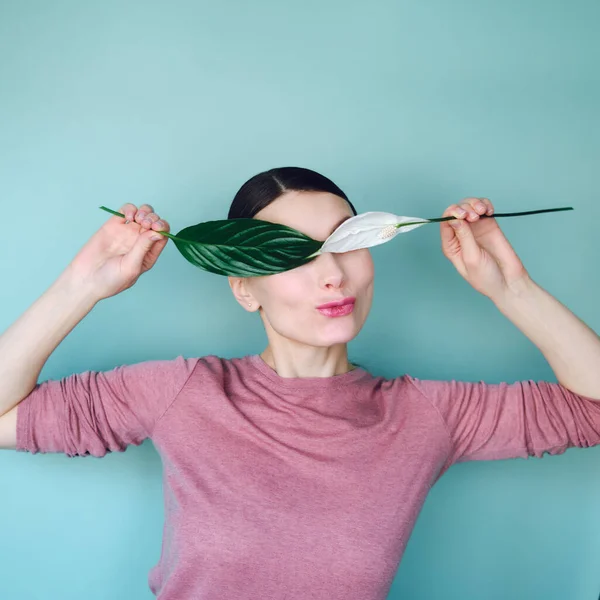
369 229
251 247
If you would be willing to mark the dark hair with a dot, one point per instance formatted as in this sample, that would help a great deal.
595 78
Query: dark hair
259 191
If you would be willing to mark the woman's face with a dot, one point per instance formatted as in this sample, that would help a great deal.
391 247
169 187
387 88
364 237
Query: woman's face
290 301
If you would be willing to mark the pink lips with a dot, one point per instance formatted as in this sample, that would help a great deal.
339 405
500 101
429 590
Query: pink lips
340 308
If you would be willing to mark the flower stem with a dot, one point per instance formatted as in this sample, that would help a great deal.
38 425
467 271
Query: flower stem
515 214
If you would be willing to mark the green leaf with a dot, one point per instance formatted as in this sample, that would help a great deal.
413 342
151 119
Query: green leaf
243 247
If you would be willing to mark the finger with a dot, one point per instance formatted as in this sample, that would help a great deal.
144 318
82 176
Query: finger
145 209
161 225
488 235
156 249
480 206
472 207
143 212
447 232
128 210
469 247
149 219
499 247
134 259
489 206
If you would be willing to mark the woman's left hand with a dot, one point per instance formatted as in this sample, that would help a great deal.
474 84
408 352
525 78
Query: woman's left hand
478 248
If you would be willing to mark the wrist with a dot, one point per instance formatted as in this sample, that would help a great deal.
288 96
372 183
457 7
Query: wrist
517 290
75 289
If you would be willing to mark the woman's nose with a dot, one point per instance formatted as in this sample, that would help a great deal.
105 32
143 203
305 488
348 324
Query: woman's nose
331 275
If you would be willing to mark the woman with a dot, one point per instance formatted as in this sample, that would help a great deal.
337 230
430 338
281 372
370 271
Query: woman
294 474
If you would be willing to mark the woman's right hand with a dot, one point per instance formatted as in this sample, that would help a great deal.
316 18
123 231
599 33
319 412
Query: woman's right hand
119 252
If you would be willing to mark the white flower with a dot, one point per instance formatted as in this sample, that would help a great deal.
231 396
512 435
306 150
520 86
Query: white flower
368 229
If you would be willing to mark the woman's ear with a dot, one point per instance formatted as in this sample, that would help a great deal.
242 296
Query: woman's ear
241 292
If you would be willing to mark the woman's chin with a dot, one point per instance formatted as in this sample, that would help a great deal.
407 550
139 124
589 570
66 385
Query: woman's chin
339 333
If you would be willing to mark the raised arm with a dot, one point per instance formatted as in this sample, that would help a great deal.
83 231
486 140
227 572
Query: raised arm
483 256
109 263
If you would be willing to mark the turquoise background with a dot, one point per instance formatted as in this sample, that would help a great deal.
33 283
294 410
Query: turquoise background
408 106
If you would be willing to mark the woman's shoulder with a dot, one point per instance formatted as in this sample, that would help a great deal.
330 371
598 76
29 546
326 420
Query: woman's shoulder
178 369
212 364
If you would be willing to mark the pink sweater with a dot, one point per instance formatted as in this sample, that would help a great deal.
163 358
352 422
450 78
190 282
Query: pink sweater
305 488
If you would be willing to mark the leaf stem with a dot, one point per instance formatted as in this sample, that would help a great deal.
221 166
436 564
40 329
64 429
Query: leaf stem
166 233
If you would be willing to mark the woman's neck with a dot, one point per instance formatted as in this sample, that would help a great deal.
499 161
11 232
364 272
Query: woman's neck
307 362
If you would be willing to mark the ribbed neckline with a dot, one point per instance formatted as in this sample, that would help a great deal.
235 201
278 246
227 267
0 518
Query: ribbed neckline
305 383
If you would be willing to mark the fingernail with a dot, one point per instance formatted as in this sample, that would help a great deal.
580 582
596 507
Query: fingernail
461 211
455 224
155 237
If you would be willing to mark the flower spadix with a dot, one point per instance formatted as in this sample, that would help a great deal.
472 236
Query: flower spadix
369 229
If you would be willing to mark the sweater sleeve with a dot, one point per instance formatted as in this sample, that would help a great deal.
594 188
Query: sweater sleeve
99 412
498 421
